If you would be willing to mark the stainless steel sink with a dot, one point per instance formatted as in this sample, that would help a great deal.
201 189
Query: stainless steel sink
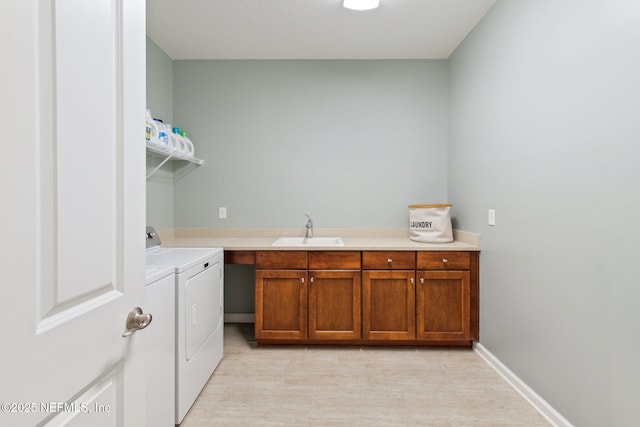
308 241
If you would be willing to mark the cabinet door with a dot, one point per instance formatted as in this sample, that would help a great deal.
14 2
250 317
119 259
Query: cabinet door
334 305
443 306
281 304
388 305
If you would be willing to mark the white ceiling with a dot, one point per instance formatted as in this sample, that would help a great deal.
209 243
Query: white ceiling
311 29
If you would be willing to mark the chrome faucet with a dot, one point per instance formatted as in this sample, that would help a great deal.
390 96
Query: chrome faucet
309 227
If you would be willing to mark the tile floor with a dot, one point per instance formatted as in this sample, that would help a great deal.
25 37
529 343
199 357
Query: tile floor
352 386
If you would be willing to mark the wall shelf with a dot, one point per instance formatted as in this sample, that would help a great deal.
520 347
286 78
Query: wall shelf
169 154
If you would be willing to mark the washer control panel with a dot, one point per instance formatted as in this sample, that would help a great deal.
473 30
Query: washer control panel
152 237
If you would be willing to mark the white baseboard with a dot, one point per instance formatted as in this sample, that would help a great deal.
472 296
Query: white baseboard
239 318
541 405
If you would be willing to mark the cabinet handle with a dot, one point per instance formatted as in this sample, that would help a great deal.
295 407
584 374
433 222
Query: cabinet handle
411 280
422 280
311 279
302 280
389 260
445 260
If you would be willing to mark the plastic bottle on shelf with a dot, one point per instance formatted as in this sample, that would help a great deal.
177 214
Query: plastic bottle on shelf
163 137
179 140
149 125
189 149
174 142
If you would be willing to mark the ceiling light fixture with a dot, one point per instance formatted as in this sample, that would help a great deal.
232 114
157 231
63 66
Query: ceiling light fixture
361 4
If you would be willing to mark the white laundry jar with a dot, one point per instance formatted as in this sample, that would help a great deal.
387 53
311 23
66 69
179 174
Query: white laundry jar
430 223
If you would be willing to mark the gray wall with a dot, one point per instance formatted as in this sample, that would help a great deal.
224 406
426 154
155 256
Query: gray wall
160 102
544 128
352 143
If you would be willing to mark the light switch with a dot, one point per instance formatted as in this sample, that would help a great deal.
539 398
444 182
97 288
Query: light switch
222 213
492 217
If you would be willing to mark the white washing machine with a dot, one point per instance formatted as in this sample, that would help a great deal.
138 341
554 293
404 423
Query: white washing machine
161 345
199 325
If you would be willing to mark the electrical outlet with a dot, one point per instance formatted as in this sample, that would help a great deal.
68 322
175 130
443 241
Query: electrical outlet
222 213
492 217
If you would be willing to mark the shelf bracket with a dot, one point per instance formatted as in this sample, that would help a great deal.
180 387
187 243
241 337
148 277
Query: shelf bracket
160 165
170 154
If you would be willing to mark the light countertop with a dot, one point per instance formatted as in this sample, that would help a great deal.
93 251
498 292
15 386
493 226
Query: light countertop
354 239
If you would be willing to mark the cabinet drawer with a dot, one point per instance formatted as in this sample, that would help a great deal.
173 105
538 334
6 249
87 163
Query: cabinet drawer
281 259
239 257
444 260
336 260
385 260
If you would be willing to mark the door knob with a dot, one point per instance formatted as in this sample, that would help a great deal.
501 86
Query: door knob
136 320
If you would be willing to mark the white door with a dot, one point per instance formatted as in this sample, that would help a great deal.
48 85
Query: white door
71 211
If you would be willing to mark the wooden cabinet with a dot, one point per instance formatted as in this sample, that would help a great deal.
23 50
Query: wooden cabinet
322 302
368 297
442 260
388 300
388 295
334 295
281 295
446 308
443 305
281 304
334 305
392 260
281 260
